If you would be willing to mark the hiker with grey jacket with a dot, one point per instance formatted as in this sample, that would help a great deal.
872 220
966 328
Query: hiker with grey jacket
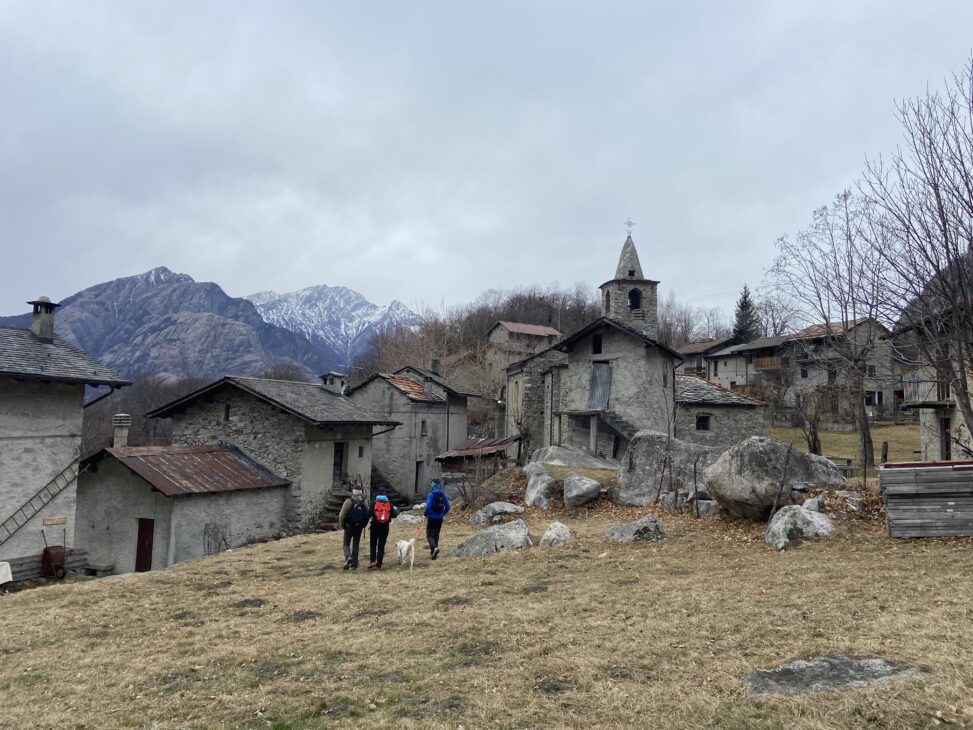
352 519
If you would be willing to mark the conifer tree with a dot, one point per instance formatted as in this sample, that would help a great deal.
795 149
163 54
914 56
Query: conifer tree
746 325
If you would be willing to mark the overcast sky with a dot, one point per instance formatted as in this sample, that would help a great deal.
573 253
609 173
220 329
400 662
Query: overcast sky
427 151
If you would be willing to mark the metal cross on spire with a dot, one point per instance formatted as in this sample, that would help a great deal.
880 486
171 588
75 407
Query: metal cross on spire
629 225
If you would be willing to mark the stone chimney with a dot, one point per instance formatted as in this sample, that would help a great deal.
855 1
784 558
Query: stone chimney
427 387
334 382
435 367
121 423
42 323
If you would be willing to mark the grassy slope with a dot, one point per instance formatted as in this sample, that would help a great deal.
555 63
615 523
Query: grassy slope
903 441
590 635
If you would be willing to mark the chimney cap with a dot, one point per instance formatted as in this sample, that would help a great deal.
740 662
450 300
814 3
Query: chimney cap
121 419
46 301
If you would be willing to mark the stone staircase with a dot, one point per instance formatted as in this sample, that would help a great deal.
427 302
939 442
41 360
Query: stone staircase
619 424
336 498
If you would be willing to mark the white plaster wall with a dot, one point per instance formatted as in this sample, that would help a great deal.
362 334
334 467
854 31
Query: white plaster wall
111 500
242 517
40 435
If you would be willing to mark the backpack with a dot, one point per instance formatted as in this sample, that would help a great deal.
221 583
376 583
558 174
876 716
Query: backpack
438 502
383 512
357 514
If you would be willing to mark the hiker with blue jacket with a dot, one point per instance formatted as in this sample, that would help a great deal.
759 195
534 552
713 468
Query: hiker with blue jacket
352 519
437 507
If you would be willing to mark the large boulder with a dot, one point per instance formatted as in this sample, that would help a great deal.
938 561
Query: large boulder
539 484
655 461
645 529
748 478
407 519
557 534
579 490
575 458
792 524
494 513
496 539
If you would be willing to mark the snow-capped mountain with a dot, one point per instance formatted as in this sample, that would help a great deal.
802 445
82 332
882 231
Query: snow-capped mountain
333 317
164 322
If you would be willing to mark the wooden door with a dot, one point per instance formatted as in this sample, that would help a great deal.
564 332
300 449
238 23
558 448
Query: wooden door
600 388
143 545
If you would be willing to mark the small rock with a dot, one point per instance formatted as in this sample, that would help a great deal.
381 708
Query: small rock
827 674
404 519
499 538
814 504
539 484
854 499
792 524
557 534
494 512
706 507
579 490
674 501
645 529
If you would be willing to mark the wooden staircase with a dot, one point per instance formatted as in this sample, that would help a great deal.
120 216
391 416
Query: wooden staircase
619 424
43 497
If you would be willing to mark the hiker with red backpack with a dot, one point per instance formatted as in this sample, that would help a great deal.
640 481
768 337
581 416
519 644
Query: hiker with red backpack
352 519
437 506
382 513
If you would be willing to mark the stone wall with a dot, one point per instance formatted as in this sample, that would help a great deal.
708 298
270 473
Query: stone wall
283 443
406 457
111 500
526 414
614 298
40 435
642 380
729 425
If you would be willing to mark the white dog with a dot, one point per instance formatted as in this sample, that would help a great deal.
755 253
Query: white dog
407 552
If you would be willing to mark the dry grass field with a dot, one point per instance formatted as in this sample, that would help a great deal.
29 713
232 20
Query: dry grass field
590 635
903 441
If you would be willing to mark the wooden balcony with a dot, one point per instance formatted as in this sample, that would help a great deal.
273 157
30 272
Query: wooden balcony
769 363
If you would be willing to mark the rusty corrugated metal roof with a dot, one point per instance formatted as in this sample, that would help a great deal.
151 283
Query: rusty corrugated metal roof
178 470
479 447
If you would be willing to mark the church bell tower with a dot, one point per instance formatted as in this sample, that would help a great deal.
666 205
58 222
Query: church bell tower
630 298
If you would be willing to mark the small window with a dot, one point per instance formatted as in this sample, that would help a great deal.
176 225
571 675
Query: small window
631 272
361 452
226 412
870 370
803 372
716 367
608 301
596 344
665 378
635 299
422 429
702 422
733 383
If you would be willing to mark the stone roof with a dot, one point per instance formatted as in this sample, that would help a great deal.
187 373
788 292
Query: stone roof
24 355
695 348
628 260
447 385
207 469
309 401
691 390
521 328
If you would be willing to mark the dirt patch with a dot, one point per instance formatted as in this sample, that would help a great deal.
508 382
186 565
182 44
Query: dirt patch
455 601
554 686
535 588
250 603
301 616
218 585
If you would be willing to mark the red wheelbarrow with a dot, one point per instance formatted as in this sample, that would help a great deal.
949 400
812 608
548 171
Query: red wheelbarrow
53 559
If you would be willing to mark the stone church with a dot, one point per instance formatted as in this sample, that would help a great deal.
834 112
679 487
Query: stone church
596 388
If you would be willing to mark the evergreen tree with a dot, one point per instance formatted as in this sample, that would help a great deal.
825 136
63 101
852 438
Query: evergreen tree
746 325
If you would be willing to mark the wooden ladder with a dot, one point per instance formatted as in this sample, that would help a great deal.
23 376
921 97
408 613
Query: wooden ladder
29 509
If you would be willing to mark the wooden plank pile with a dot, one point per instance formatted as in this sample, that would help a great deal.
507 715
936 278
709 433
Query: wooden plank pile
928 499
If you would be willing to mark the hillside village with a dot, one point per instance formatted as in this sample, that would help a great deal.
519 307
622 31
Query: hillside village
598 505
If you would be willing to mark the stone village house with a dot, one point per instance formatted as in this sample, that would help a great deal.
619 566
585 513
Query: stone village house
250 457
42 388
433 417
599 386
